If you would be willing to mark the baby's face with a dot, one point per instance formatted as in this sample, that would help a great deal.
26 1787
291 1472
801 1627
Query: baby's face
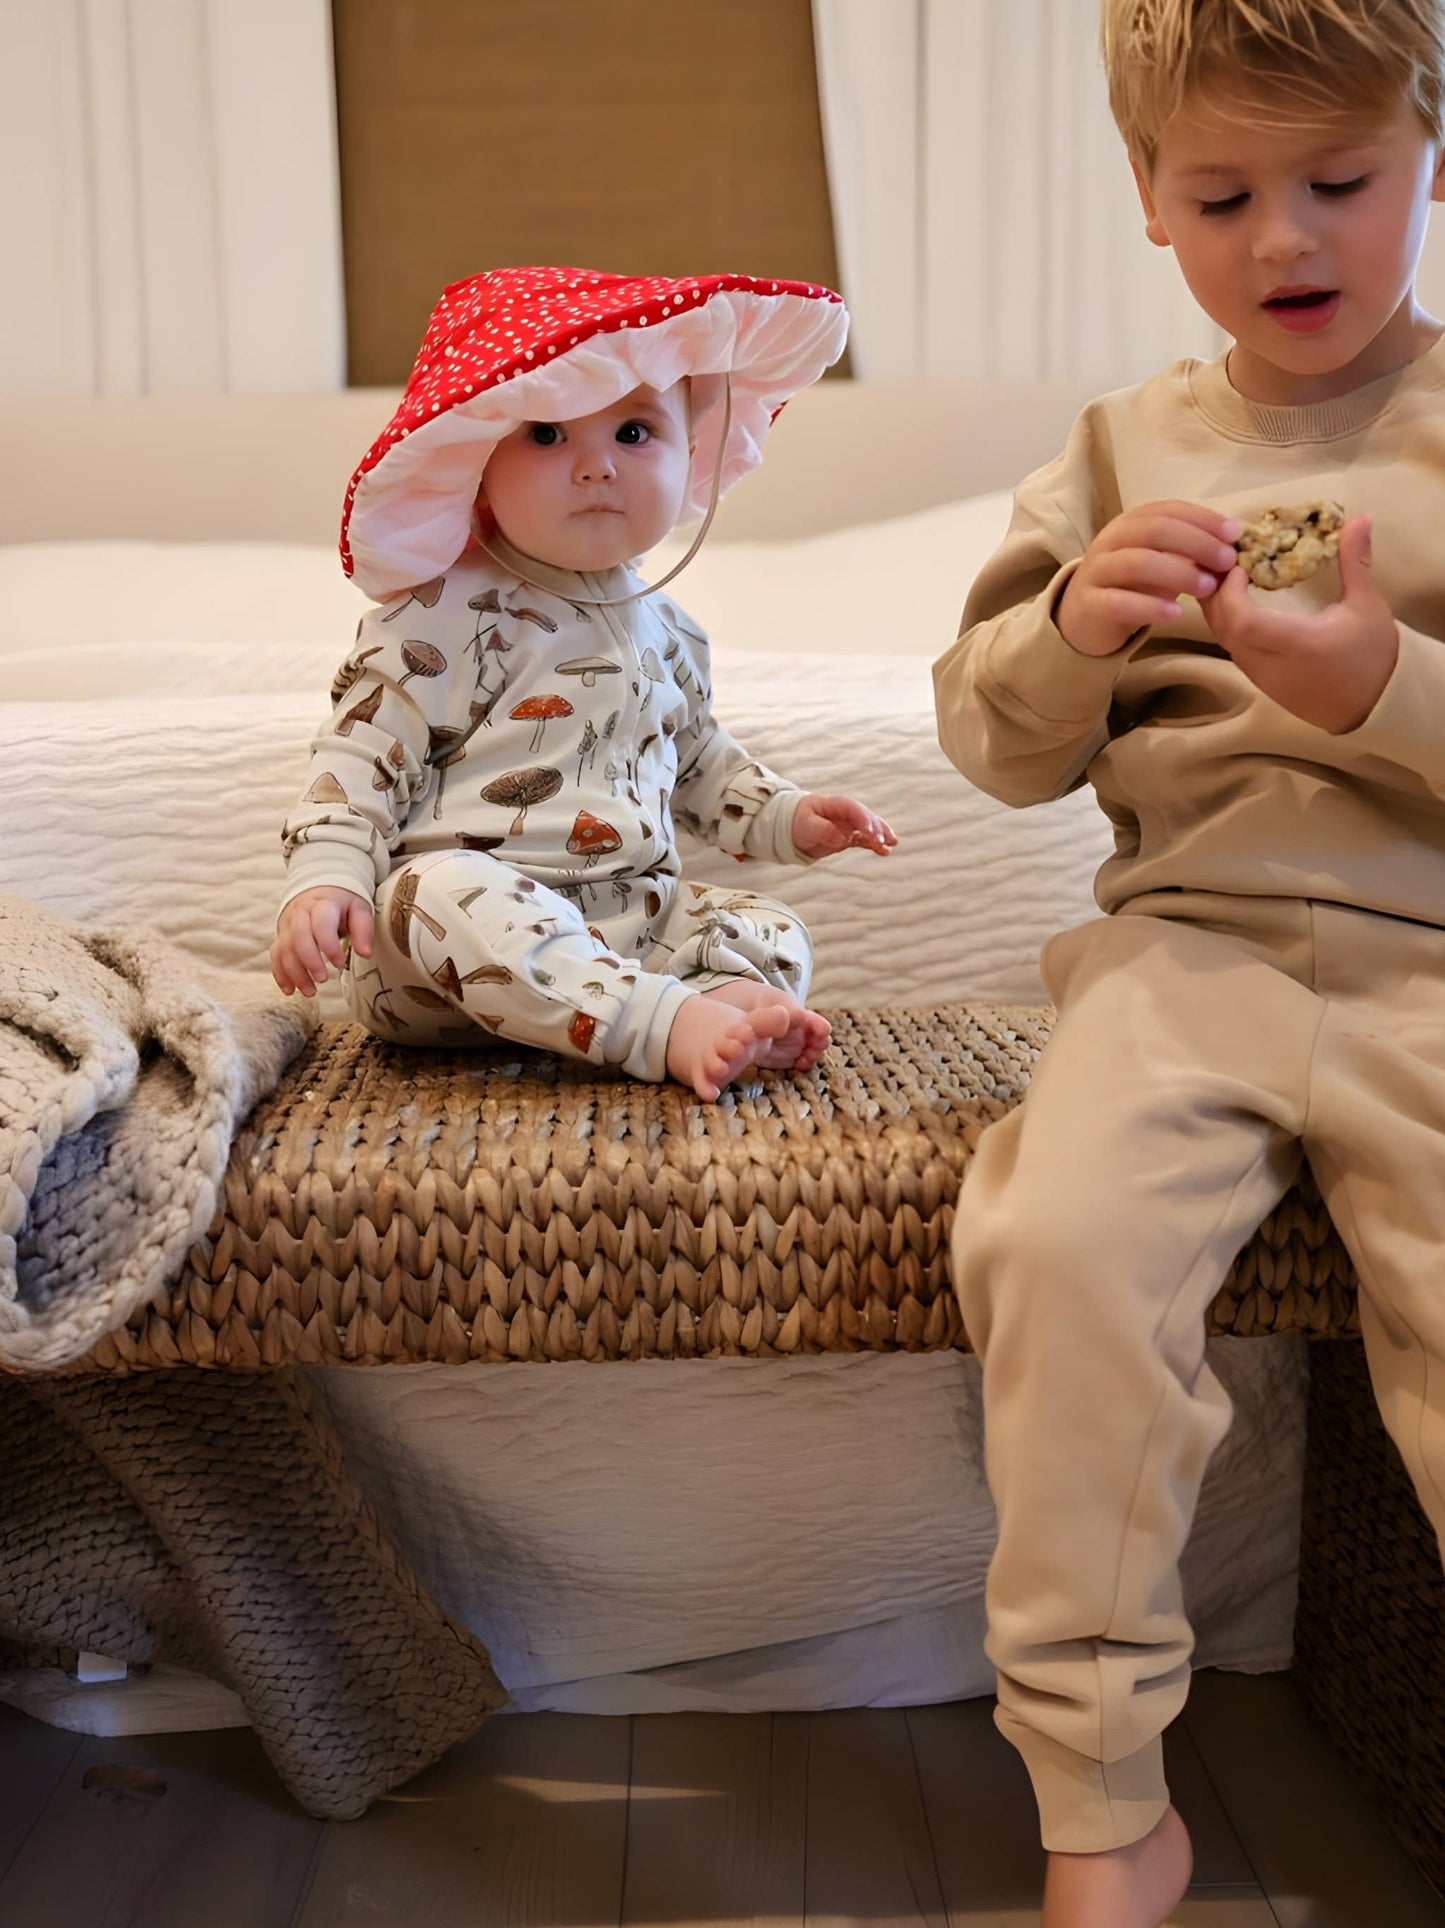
1300 241
595 491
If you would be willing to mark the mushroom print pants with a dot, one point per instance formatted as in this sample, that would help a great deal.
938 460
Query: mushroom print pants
466 946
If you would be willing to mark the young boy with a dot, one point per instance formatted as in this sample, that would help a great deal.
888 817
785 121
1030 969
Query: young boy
488 816
1269 982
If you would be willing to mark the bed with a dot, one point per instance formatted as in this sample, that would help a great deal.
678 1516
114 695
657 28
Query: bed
727 1534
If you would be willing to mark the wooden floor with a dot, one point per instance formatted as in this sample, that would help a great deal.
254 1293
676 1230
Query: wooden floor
876 1817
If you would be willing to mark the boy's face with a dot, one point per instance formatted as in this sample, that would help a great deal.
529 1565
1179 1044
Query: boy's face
595 491
1302 243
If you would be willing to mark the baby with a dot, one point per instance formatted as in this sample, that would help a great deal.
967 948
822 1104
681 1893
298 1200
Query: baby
485 842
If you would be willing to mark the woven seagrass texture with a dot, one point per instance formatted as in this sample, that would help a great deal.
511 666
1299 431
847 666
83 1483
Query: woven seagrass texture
208 1519
413 1205
1370 1627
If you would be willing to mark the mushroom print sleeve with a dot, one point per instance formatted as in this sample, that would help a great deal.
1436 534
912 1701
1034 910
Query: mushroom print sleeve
408 693
721 794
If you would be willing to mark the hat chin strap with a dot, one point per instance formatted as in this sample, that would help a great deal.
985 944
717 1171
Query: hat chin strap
614 602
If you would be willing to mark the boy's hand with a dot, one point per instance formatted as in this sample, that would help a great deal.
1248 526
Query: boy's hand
1329 667
309 931
822 826
1136 569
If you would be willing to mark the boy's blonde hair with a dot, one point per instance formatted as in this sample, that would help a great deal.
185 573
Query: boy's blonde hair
1326 57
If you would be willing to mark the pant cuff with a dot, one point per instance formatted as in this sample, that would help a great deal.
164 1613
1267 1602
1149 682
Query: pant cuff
636 1041
1088 1806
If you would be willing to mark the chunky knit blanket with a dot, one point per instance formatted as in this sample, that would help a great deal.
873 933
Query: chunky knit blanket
182 1516
210 1519
125 1067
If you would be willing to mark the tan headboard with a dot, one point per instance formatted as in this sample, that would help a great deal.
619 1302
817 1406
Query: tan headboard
642 136
274 468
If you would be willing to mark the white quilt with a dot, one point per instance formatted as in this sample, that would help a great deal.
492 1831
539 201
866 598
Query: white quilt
840 1536
809 1535
158 700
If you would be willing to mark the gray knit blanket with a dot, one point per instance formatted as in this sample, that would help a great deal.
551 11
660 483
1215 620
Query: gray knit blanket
125 1068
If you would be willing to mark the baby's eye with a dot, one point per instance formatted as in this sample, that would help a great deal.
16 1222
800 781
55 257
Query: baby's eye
546 435
1338 189
634 433
1227 206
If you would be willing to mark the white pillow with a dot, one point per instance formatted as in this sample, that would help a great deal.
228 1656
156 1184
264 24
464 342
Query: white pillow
882 589
93 621
100 620
67 595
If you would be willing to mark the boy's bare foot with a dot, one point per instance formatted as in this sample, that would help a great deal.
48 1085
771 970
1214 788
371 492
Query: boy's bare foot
807 1035
1134 1887
712 1042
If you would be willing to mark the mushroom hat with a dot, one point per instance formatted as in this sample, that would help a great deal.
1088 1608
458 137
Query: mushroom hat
519 345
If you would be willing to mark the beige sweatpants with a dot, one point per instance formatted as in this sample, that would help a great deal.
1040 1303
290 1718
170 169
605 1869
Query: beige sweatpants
1204 1045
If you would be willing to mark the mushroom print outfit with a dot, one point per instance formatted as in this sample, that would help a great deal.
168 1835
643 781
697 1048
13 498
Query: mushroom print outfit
504 776
512 743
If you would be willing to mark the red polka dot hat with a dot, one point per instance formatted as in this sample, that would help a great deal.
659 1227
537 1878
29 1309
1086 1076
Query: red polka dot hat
547 344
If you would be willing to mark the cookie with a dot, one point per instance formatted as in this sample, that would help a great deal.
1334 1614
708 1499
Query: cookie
1284 546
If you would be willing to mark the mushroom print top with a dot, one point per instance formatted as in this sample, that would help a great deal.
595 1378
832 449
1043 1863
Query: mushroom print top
481 713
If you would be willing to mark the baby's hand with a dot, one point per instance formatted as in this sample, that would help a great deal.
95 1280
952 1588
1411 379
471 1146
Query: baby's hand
309 931
1329 667
1137 567
822 826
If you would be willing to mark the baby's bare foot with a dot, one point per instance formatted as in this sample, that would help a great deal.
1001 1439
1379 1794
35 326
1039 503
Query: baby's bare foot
712 1042
1134 1887
807 1035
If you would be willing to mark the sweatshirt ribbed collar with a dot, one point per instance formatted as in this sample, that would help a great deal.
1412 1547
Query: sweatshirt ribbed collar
1216 397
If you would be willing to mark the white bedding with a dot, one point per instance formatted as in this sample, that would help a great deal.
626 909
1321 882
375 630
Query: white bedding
806 1535
739 1535
586 1548
151 778
892 587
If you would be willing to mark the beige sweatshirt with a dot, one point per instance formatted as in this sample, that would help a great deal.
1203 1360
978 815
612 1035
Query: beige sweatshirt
1208 783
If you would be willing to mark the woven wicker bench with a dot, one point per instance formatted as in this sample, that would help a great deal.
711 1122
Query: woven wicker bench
387 1206
391 1206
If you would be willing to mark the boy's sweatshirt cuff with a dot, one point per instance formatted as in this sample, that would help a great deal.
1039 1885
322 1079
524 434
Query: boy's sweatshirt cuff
1030 662
1404 726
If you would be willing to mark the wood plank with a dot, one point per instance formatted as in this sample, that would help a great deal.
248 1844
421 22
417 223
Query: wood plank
981 1815
1219 1857
522 1826
717 1820
1242 1907
33 1756
1323 1855
984 1825
870 1857
216 1840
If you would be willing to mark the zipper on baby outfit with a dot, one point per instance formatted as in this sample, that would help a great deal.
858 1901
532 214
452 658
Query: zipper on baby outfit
656 847
618 627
